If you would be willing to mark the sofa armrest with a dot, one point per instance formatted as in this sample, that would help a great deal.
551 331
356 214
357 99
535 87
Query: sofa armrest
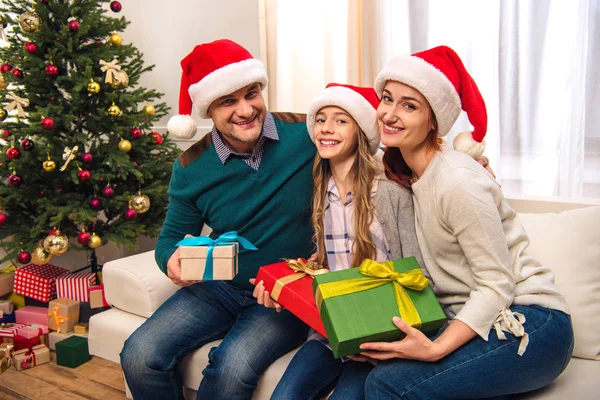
135 284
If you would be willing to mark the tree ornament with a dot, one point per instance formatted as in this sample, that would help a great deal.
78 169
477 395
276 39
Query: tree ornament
114 110
115 39
51 70
30 47
4 68
120 80
5 132
149 109
57 244
52 231
40 256
130 214
157 138
93 87
24 257
3 114
3 82
140 203
30 22
17 72
73 25
84 238
49 165
125 145
84 175
27 144
13 153
47 123
136 133
108 192
96 204
15 180
95 241
3 22
3 218
115 6
87 158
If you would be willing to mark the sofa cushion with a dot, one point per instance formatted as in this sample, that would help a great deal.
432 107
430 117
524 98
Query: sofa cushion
569 243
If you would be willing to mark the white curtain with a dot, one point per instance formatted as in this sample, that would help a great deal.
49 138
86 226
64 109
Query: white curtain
537 65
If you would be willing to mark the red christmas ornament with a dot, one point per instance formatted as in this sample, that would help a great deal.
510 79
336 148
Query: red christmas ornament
157 138
17 72
115 6
95 204
47 123
84 175
51 70
108 192
130 214
53 231
4 68
13 153
73 26
24 257
84 238
6 132
87 158
3 218
30 47
14 180
136 133
27 144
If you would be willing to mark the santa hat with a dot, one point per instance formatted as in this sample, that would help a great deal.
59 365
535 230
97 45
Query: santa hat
360 102
443 80
210 71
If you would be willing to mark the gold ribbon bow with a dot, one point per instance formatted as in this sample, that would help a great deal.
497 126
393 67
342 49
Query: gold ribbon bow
111 68
301 270
57 318
68 155
8 270
378 274
18 103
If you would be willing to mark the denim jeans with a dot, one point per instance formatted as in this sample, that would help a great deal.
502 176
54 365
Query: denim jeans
481 369
313 372
253 337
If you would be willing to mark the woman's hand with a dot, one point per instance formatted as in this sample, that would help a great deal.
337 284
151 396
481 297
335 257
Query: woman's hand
263 297
415 346
485 163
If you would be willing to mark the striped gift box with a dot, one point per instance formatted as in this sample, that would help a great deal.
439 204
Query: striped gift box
38 281
75 286
9 331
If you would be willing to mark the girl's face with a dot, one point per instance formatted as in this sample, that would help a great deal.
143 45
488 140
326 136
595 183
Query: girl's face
404 116
336 134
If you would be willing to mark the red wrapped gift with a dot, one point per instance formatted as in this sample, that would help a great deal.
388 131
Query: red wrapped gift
23 343
290 284
75 286
38 281
97 298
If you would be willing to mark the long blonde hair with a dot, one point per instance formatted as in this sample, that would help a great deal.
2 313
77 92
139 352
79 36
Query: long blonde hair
364 170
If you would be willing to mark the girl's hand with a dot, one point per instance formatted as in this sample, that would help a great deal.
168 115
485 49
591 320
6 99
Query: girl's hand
415 346
263 297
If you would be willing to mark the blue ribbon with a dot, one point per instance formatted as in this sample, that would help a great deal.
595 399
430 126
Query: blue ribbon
224 239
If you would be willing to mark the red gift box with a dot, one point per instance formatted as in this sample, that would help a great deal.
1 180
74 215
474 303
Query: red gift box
38 281
97 298
23 343
75 286
292 288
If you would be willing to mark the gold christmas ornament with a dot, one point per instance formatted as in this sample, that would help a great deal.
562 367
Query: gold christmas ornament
114 110
3 114
56 245
115 39
30 22
140 203
124 145
3 82
149 109
39 255
94 242
120 80
93 87
49 165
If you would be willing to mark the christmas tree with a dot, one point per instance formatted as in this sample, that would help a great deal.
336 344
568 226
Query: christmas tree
78 153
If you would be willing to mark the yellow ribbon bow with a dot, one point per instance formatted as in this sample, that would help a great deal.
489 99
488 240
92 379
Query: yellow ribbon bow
9 269
18 103
68 155
57 318
301 270
111 68
378 274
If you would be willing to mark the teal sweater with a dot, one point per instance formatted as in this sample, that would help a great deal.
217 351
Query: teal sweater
270 207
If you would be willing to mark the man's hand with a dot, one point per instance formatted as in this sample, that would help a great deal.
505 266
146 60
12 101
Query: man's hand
263 297
174 271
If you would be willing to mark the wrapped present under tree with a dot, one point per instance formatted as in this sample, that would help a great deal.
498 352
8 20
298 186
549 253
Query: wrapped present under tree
63 314
75 286
72 352
38 281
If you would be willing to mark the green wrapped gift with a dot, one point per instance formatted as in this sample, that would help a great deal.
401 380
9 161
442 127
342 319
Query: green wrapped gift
72 352
357 305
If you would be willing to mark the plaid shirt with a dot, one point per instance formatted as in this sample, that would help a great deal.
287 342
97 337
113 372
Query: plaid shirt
269 131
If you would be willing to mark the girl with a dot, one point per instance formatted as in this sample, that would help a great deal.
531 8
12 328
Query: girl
510 331
357 214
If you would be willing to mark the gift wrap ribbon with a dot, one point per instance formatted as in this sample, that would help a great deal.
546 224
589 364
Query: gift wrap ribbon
378 274
29 361
224 239
57 318
301 269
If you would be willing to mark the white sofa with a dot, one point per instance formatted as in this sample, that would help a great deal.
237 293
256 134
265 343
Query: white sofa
565 234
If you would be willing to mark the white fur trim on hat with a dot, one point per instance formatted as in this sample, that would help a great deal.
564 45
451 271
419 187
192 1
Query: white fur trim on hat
226 80
465 143
355 104
182 126
433 84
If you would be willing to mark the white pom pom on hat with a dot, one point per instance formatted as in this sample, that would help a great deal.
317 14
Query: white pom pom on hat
210 71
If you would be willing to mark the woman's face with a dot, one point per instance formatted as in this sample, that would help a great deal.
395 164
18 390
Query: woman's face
335 133
404 116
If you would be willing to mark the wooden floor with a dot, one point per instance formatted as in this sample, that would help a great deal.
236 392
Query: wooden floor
96 379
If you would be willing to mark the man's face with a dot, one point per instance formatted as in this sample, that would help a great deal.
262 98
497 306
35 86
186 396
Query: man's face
239 116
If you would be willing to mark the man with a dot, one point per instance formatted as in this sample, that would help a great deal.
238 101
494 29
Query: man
251 174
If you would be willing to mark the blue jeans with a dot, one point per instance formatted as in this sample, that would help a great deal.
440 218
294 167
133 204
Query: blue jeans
313 372
481 369
253 337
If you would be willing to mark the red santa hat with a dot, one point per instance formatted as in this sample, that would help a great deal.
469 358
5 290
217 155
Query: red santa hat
360 102
210 71
443 80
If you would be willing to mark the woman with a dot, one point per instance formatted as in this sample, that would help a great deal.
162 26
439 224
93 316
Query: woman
357 214
510 331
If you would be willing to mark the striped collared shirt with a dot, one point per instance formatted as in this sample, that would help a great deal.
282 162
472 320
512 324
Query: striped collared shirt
269 131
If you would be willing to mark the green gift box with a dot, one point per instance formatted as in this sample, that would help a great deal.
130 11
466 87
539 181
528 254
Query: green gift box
72 352
357 305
